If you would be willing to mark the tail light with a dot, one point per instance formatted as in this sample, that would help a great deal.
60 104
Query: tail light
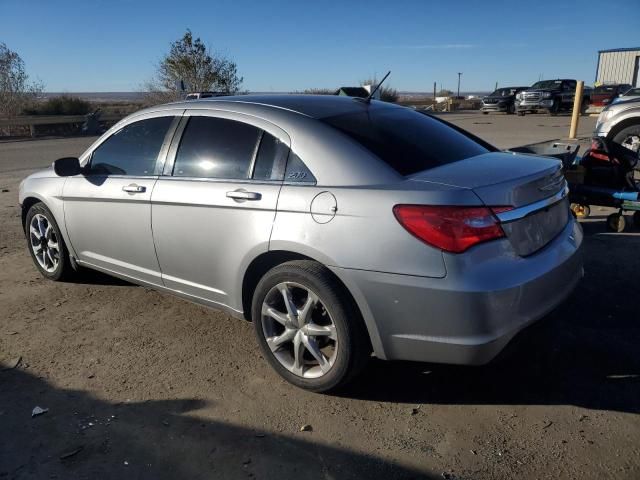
452 229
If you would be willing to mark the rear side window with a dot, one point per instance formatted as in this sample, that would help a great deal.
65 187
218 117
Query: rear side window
216 148
133 150
270 159
408 141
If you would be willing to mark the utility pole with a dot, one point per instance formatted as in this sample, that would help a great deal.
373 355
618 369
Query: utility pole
459 75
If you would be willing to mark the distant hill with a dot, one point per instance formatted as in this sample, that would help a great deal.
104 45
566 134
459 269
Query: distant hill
104 97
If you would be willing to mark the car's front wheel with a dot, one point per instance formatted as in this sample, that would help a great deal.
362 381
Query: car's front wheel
308 327
46 245
629 137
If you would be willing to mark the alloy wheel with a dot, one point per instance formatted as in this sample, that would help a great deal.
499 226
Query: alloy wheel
632 142
44 243
299 330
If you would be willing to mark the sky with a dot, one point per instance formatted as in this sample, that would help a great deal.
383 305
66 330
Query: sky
115 45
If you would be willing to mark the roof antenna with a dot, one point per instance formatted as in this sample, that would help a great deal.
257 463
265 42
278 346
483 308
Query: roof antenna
368 99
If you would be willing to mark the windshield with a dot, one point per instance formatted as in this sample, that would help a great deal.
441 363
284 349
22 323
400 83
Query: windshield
407 141
553 84
503 92
605 89
633 91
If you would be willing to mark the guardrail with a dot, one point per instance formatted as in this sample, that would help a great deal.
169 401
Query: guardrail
33 120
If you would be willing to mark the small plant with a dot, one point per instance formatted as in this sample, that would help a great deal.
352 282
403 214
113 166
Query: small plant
62 105
387 93
319 91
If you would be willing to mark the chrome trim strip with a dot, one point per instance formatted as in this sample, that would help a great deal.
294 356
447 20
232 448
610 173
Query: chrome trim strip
522 212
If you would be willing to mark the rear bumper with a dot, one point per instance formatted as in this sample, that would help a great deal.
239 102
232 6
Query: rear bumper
469 316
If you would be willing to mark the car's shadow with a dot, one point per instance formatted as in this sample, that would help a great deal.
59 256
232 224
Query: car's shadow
82 436
86 276
586 353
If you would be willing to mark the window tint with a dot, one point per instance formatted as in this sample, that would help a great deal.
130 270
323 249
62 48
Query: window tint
297 171
132 150
216 148
271 158
407 141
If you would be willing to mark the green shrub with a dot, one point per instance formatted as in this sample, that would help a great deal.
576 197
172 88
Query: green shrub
319 91
62 105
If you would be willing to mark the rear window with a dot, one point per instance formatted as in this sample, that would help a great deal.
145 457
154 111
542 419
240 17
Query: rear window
408 141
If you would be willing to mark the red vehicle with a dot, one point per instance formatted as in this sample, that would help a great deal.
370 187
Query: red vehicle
605 94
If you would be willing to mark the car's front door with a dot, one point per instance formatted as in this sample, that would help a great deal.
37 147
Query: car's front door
107 209
213 210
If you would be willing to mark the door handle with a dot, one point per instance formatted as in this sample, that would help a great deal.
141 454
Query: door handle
133 188
241 195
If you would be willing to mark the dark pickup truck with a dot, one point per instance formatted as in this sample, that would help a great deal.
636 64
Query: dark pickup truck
553 96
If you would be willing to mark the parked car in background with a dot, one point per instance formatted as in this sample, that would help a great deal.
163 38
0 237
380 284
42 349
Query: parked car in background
502 100
620 122
278 208
553 96
603 95
631 94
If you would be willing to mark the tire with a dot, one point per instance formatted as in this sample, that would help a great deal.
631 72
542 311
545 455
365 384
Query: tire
636 219
555 108
54 265
520 114
511 109
616 223
343 344
628 137
485 113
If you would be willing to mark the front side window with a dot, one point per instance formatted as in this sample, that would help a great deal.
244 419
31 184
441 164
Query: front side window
216 148
133 150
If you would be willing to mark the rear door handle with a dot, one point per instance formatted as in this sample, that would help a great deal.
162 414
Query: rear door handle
133 188
243 195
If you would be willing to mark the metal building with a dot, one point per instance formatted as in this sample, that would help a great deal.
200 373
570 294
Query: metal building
619 65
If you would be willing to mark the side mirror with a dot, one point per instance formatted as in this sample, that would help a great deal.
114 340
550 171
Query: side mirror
67 167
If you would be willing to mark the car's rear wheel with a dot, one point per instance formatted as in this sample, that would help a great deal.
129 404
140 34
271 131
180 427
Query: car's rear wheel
46 245
308 327
555 108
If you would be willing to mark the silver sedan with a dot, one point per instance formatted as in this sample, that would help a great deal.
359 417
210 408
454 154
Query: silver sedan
340 228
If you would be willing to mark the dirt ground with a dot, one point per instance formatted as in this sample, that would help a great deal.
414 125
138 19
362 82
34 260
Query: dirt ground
140 384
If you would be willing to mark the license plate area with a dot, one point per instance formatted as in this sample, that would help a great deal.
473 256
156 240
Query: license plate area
531 233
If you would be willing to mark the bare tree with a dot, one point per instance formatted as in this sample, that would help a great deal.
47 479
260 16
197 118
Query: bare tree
16 92
191 62
387 94
319 91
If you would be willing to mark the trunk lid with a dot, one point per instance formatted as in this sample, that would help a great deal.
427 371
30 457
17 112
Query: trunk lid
534 186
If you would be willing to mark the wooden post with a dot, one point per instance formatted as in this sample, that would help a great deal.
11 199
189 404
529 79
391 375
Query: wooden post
434 97
577 106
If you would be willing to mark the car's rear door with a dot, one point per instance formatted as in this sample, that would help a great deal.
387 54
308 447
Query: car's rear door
107 209
213 210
